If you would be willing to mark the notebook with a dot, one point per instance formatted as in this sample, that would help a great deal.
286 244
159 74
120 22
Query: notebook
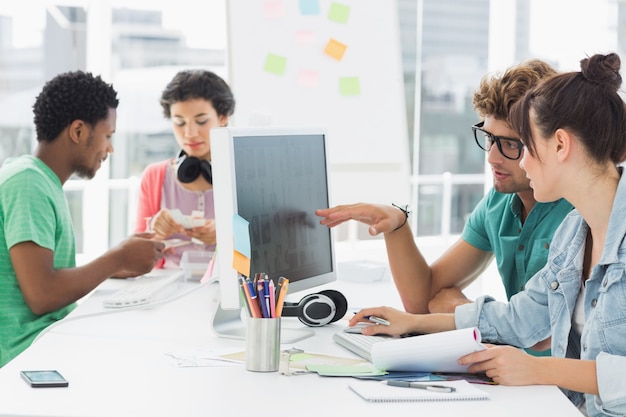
379 391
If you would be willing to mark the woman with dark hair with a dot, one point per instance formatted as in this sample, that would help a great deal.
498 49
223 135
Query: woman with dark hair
196 101
573 126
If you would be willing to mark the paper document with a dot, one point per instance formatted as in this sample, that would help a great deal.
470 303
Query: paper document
436 352
196 219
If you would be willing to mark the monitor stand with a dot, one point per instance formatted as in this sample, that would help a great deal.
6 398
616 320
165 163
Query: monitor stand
229 324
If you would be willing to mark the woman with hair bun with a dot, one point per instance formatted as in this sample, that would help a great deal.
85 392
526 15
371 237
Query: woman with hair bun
196 101
573 126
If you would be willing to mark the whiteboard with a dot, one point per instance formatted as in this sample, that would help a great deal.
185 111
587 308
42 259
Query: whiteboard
330 64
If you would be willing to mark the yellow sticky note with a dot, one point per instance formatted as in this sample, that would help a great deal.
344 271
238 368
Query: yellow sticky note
275 64
349 86
339 13
241 263
335 49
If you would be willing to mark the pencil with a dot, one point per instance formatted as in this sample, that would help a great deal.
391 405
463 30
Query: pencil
284 285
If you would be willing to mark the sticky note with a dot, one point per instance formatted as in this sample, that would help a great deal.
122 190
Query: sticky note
309 7
275 64
241 263
308 78
339 13
304 37
273 9
241 235
335 49
349 86
297 357
345 370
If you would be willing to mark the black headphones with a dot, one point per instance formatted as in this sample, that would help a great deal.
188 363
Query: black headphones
318 309
188 168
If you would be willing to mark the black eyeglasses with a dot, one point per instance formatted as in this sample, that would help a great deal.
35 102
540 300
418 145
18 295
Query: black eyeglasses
509 148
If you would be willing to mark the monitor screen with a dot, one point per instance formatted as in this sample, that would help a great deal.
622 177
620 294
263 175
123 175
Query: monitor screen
274 179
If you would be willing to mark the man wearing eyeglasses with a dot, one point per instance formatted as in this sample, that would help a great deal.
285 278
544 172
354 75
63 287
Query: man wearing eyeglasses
507 223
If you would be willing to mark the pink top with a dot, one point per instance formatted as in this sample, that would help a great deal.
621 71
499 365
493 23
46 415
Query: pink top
160 189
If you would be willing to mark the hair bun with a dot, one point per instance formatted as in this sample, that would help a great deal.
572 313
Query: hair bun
602 70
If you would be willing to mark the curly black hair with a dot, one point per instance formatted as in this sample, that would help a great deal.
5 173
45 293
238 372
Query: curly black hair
198 83
74 95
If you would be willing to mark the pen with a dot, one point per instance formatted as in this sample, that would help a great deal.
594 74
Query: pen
266 295
378 320
261 298
272 299
427 387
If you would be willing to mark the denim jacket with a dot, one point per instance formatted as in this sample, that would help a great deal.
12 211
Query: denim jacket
546 307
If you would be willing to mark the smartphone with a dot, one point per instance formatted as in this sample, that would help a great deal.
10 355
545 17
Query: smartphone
44 379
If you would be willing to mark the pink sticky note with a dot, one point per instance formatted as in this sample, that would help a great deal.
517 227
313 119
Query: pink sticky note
308 78
273 9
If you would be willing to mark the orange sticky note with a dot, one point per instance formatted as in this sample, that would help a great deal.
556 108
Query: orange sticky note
241 263
335 49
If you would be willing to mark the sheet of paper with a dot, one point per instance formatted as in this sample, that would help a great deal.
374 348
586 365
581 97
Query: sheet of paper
200 358
196 219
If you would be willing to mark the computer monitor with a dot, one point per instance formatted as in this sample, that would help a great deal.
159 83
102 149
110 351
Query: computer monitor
274 178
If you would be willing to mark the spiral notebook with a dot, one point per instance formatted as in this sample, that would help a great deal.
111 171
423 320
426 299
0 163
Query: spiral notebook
378 391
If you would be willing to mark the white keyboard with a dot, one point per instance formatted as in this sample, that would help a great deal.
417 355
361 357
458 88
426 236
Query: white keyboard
144 289
359 344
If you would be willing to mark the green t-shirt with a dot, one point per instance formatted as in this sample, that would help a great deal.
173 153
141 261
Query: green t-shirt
495 226
521 251
32 208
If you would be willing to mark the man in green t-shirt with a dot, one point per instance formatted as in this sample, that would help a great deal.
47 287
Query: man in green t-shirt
507 224
75 116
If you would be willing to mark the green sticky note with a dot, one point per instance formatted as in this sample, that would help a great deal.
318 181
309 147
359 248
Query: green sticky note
275 64
339 13
300 357
345 370
349 86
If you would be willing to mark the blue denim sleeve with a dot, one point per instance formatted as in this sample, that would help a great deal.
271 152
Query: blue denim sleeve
522 322
611 384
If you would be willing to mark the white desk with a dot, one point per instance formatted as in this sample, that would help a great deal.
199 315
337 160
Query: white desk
116 367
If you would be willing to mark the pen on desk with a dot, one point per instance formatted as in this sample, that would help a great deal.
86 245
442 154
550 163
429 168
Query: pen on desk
417 385
378 320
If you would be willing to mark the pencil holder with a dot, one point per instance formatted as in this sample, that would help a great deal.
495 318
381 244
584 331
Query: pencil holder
262 344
